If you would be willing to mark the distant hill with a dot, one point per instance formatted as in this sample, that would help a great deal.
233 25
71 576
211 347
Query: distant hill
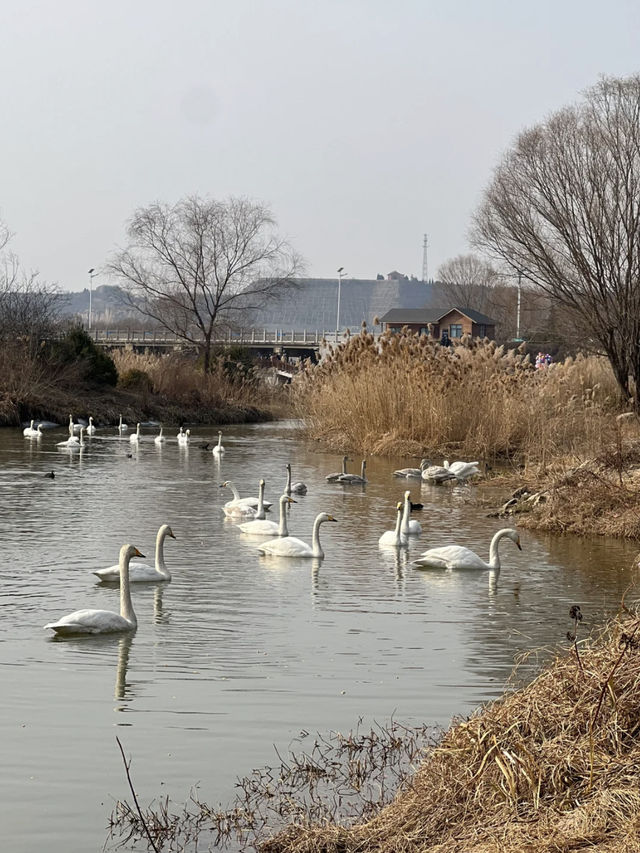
310 303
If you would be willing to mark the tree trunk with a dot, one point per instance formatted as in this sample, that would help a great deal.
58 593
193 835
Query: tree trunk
206 355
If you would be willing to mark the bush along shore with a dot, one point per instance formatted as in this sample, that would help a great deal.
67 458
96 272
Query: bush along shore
75 376
559 441
553 766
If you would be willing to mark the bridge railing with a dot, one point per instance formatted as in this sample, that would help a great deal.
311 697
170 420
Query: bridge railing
255 337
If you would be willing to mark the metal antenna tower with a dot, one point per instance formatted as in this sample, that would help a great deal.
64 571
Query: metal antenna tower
425 263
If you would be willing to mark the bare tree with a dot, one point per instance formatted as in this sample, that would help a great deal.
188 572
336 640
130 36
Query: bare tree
29 308
563 208
200 264
468 281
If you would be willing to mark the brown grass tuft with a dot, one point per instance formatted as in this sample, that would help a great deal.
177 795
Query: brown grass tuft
404 393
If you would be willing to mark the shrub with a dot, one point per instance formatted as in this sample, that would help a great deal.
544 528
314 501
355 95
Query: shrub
136 380
77 348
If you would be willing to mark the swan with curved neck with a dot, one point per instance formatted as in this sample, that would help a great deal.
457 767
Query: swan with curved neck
90 430
296 488
262 527
238 504
459 557
333 477
355 479
104 621
394 538
218 449
29 431
134 438
184 437
438 473
291 546
141 572
409 527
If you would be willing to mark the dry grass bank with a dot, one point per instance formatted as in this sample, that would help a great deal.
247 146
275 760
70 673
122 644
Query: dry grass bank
552 767
168 388
407 395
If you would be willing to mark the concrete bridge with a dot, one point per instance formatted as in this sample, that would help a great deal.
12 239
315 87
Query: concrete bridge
294 342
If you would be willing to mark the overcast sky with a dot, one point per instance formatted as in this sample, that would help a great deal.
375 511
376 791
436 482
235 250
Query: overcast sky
362 123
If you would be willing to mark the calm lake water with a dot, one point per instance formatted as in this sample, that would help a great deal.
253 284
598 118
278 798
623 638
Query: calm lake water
240 652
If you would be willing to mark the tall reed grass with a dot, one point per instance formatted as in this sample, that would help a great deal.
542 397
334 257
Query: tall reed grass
406 394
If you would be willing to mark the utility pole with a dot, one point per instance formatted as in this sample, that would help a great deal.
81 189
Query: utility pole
425 263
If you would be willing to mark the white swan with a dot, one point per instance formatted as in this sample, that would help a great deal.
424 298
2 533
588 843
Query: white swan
458 557
141 572
249 512
239 505
409 527
412 472
122 427
218 449
296 488
355 479
333 477
104 621
462 471
39 432
183 437
74 442
134 438
438 473
159 439
90 430
394 538
30 432
290 546
262 527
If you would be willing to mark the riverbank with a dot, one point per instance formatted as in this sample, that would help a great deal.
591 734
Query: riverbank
554 766
169 389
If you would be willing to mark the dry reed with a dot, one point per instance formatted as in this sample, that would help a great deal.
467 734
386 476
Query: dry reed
406 394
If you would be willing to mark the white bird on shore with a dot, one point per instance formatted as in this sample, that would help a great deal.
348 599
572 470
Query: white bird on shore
394 538
104 621
296 488
459 557
141 572
333 477
218 449
409 527
290 546
262 527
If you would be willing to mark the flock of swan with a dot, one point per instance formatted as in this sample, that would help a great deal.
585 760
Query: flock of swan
249 515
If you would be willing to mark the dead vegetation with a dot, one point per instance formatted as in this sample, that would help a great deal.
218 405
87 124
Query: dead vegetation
405 394
552 767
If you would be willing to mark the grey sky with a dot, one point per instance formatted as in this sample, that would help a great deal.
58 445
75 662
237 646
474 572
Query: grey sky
363 123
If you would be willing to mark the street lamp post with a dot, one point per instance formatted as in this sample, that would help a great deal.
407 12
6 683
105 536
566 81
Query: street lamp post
340 274
518 305
92 275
